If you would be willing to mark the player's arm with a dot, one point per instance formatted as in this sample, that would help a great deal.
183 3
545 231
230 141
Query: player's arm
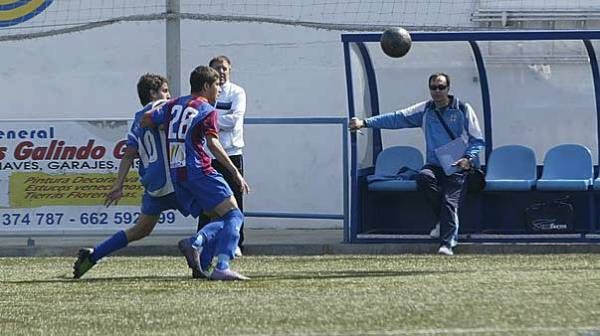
409 117
211 134
146 120
213 143
235 119
155 116
116 192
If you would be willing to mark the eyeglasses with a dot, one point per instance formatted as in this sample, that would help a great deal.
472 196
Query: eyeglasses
438 87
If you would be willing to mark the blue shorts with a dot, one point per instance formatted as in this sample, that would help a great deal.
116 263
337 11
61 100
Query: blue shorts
153 206
203 192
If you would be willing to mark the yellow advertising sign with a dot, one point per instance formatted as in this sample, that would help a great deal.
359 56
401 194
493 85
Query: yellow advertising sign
33 189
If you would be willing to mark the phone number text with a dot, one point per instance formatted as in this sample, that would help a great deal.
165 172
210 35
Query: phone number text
84 218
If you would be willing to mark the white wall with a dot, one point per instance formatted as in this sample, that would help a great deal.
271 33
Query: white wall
81 75
286 71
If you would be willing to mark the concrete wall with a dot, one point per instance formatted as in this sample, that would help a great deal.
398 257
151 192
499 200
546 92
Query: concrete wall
286 71
296 71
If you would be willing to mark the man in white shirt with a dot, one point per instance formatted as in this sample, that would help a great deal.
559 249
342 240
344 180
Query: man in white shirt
231 107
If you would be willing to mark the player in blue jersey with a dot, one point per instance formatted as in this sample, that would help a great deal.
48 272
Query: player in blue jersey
190 122
150 147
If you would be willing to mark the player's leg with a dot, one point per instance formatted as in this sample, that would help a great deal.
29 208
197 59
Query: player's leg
207 252
88 257
238 162
227 240
150 213
207 255
203 219
212 192
204 239
143 228
199 249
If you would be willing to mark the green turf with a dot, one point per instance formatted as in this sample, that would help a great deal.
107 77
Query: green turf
330 295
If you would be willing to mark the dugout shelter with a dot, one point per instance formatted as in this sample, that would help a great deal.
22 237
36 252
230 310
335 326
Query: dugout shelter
537 97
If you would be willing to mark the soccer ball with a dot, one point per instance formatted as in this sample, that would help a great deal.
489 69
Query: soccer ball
395 42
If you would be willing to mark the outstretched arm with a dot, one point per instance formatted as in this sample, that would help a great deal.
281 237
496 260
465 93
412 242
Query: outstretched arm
409 117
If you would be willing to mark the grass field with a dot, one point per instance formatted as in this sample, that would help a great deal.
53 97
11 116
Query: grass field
329 295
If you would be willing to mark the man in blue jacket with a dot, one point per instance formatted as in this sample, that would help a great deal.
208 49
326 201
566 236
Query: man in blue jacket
446 122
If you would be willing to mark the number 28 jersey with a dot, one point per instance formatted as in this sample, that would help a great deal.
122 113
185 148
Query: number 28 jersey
151 146
187 120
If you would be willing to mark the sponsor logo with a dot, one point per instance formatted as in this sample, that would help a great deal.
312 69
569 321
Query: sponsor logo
13 12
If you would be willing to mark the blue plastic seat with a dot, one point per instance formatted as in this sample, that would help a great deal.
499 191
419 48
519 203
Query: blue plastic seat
511 168
567 168
389 162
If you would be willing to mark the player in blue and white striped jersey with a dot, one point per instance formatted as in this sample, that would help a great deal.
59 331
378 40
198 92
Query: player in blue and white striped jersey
150 146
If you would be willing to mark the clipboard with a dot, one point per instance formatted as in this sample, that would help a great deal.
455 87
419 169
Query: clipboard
450 153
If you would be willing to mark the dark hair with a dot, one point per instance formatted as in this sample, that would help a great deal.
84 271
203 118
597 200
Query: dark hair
147 83
219 58
438 74
202 75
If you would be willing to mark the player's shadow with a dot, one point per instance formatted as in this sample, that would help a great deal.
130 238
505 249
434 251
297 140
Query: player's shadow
69 279
305 275
347 274
341 274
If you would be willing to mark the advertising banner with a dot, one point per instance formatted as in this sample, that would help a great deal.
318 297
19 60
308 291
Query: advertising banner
54 176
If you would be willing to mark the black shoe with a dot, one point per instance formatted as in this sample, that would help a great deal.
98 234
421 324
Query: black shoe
238 252
83 263
199 274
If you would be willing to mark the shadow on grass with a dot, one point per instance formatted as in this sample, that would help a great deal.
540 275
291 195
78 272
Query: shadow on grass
349 274
280 276
374 273
69 279
304 275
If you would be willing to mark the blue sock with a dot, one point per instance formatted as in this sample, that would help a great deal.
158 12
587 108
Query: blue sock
229 236
223 262
212 229
198 240
206 257
115 242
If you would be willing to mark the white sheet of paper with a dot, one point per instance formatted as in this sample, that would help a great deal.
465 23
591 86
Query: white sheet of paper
450 153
